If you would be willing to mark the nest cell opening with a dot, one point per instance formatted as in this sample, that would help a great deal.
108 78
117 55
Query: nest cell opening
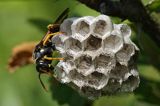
100 27
69 64
113 43
75 75
125 53
93 43
119 71
97 75
66 27
130 84
57 41
112 86
84 62
133 80
126 31
82 28
93 82
95 79
73 44
104 62
68 59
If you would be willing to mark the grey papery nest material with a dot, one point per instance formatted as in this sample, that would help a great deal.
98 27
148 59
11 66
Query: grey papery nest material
100 58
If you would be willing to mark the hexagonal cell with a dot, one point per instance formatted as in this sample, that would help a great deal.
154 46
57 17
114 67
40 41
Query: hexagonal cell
69 65
130 84
97 80
59 44
133 60
104 63
124 55
100 27
81 26
91 93
112 87
113 43
84 64
119 71
77 78
92 43
94 78
95 83
60 73
125 30
66 26
75 75
68 61
97 75
73 44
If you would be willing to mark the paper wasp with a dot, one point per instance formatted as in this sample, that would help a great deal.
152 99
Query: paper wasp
45 48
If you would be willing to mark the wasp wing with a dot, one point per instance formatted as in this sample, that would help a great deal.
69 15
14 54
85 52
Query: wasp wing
63 16
59 20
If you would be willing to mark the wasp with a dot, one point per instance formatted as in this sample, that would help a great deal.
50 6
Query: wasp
45 48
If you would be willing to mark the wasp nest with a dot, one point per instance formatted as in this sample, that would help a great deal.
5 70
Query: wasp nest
99 56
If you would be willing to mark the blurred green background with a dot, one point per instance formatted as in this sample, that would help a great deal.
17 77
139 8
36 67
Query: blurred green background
26 20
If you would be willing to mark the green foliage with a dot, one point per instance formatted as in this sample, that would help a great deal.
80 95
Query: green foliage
154 6
23 21
66 95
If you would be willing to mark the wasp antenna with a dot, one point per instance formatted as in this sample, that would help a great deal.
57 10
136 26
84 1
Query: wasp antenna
44 87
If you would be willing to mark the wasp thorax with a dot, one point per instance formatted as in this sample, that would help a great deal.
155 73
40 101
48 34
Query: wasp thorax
99 56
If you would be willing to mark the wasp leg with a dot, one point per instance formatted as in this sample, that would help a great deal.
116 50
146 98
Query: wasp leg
50 58
50 35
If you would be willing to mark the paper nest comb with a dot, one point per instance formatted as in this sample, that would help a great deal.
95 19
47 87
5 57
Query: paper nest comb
100 58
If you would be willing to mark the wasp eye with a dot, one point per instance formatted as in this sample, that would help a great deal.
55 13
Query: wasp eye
37 55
